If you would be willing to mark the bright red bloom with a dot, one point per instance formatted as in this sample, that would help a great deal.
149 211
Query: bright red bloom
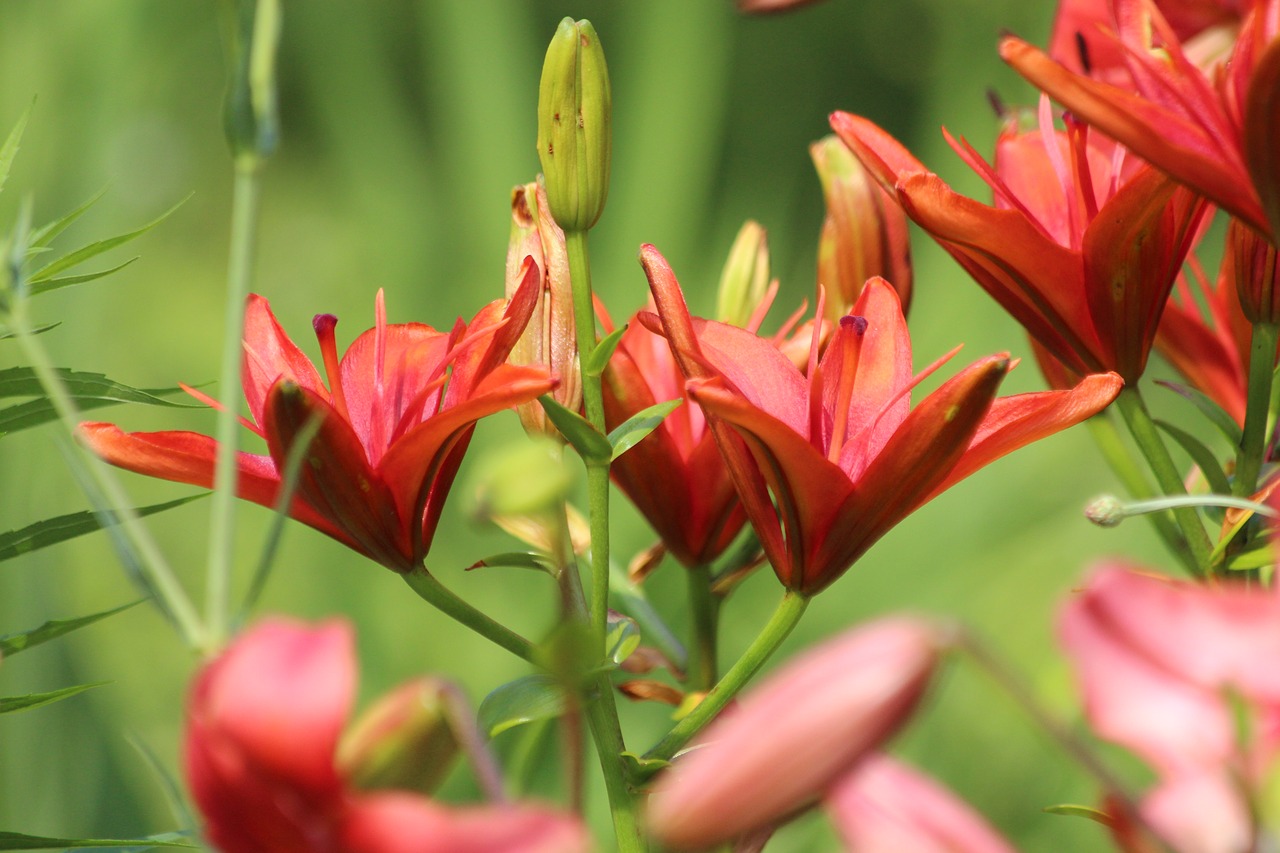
1082 246
1217 132
395 421
263 722
841 449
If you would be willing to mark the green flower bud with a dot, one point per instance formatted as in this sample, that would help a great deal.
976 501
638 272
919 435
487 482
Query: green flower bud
745 278
405 741
574 125
250 116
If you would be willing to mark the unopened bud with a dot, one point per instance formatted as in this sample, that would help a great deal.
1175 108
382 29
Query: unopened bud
574 125
548 340
1106 511
1255 272
745 278
250 115
403 742
864 233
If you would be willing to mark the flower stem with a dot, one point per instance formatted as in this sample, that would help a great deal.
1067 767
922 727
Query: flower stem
1103 428
430 589
1143 429
779 626
704 606
244 218
1262 360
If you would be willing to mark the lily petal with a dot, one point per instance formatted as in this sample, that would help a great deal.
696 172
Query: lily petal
269 354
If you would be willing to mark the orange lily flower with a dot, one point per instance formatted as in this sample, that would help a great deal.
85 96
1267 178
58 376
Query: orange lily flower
1217 132
1082 246
840 447
394 422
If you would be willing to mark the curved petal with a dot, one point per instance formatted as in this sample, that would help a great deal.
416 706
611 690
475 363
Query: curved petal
336 479
1014 422
918 457
887 159
269 354
875 398
395 822
1262 133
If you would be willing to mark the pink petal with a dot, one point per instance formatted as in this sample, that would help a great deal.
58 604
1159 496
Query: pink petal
402 823
269 354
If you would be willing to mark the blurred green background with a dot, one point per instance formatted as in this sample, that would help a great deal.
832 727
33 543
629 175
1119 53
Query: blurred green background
405 125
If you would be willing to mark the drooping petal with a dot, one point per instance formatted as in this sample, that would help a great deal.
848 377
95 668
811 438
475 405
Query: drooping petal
795 734
884 806
335 477
885 157
1262 133
270 354
1014 422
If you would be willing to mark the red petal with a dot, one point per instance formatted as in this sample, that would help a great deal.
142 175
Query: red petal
393 822
269 354
885 157
1262 133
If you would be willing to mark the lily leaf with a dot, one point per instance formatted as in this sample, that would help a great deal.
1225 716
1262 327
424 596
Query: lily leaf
622 637
11 644
18 841
1254 558
533 697
578 431
35 330
634 429
629 597
1211 410
515 559
68 280
54 530
9 704
10 147
88 390
79 256
1201 455
43 235
599 357
1076 810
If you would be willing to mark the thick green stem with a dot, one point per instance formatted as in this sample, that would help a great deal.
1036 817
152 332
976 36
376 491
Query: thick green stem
1127 470
1262 362
244 218
1143 429
780 625
704 609
438 595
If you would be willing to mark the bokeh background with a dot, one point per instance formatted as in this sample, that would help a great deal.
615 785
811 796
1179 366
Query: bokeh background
405 125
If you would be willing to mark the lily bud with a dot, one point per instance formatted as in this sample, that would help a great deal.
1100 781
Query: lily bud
745 277
574 125
549 339
864 233
1256 274
403 742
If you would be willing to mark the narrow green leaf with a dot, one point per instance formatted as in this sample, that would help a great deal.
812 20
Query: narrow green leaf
578 431
51 531
43 235
11 644
35 330
10 148
1204 458
1075 810
634 429
515 559
533 697
1254 558
67 280
9 704
96 248
88 390
170 786
598 359
639 768
1211 410
621 638
18 841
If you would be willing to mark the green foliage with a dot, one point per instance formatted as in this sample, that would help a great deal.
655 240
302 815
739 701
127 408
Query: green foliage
525 700
18 841
87 390
634 429
51 531
9 704
11 644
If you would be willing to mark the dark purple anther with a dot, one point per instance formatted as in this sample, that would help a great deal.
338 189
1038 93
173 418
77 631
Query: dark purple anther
859 324
324 323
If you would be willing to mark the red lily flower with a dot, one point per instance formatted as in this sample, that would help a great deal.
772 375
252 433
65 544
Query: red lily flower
263 724
1216 132
394 422
1082 246
841 448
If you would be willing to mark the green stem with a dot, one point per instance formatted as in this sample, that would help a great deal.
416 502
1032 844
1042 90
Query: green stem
429 589
1103 428
145 553
704 608
780 625
1143 429
244 218
1262 361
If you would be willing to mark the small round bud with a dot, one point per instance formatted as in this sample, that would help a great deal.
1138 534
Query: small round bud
1106 511
574 125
